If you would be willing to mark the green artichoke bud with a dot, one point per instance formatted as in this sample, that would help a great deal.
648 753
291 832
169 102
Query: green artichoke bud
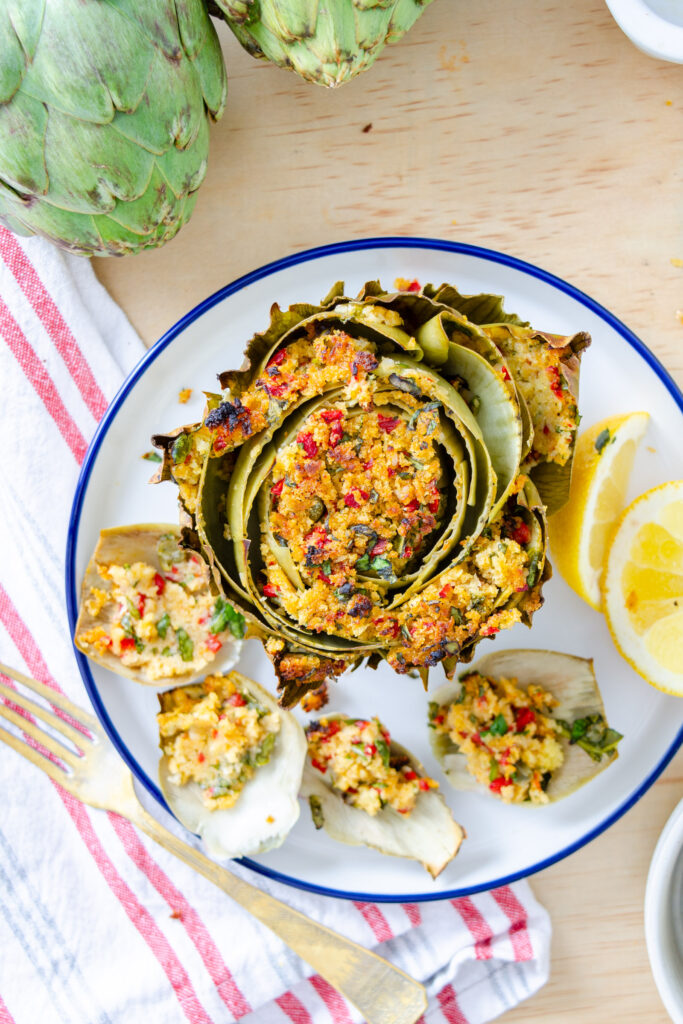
103 119
326 43
364 487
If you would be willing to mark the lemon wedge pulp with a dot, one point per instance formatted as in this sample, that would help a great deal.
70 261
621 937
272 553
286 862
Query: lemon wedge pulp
581 531
643 586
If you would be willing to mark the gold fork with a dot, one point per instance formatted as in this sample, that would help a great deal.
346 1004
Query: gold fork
96 775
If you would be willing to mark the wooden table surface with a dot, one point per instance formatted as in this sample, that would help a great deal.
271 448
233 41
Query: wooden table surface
533 127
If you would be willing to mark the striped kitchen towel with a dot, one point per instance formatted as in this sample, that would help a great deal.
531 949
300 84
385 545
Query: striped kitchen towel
97 924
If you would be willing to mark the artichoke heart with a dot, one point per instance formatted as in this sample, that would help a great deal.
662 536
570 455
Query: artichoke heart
232 763
149 609
527 726
365 486
363 788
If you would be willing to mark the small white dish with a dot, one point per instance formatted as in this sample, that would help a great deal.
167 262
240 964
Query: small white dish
654 26
664 915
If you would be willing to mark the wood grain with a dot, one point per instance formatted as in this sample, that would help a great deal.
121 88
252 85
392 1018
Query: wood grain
533 127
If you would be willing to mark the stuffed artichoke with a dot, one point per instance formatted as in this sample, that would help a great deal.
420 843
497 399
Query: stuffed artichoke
367 486
104 134
324 43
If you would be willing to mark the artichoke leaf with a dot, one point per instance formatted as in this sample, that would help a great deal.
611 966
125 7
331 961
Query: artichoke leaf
428 834
267 807
571 681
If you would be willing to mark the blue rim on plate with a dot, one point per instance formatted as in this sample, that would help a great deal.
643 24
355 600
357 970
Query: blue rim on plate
270 268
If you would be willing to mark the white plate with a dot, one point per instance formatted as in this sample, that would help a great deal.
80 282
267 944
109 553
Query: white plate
664 915
618 374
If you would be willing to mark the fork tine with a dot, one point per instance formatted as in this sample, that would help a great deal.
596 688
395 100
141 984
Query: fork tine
38 734
35 757
58 724
52 697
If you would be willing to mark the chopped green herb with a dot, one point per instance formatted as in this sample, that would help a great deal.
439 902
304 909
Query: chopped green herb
127 625
316 811
363 562
152 456
265 750
498 727
383 751
181 448
602 440
135 612
162 625
225 617
185 644
494 771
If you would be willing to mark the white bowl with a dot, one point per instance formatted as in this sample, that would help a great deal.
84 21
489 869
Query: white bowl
655 26
664 915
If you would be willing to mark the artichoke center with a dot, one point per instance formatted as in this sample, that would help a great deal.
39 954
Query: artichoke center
355 498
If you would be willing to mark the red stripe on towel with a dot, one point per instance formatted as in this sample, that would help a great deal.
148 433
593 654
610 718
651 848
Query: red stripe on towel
334 1002
449 1006
41 382
52 320
294 1008
5 1015
138 915
377 921
413 914
478 927
516 914
194 926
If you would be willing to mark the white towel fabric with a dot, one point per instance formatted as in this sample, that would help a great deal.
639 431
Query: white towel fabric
97 924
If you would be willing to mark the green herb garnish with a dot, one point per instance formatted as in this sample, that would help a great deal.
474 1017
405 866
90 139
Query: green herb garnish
185 644
162 625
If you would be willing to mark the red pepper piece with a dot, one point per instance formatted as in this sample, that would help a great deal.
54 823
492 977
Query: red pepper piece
387 423
213 643
409 775
523 717
336 434
331 415
317 764
269 590
555 381
445 590
424 785
434 505
201 757
498 784
379 547
370 749
236 700
521 533
127 643
413 505
308 444
278 358
159 582
414 286
276 390
141 604
276 489
350 501
322 576
504 371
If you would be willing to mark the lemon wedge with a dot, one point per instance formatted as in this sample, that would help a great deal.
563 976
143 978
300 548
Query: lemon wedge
643 586
581 531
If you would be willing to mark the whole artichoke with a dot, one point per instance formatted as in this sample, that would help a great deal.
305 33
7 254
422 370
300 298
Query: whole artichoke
103 118
366 486
324 41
